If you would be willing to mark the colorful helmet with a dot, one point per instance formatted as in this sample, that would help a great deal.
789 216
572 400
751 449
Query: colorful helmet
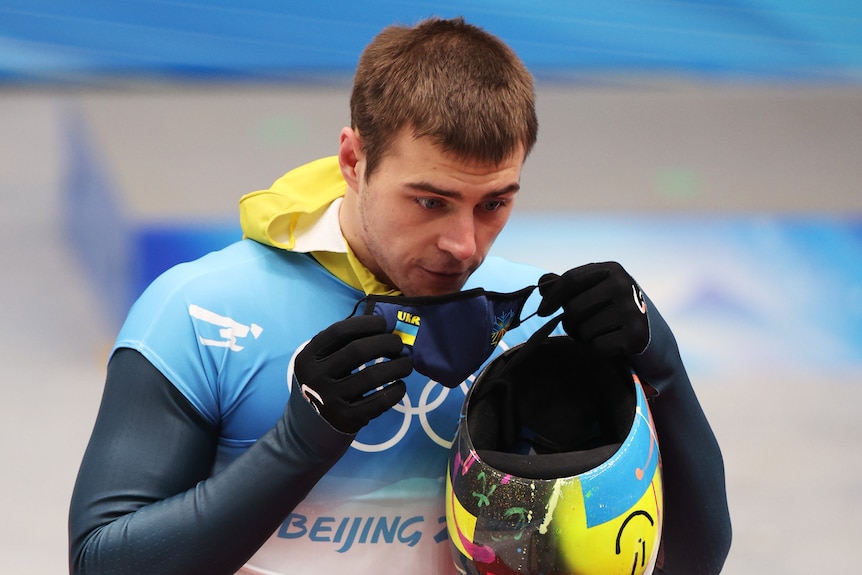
555 467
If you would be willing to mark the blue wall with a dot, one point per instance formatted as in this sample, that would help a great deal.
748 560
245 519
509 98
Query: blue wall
91 40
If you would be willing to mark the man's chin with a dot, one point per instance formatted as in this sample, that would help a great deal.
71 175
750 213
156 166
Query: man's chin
435 284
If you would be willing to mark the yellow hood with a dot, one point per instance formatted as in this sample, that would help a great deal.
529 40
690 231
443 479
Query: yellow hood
298 209
272 216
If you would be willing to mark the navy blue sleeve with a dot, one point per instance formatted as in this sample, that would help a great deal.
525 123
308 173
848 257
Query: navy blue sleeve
696 534
144 501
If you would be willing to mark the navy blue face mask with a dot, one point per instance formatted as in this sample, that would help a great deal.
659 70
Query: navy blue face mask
449 337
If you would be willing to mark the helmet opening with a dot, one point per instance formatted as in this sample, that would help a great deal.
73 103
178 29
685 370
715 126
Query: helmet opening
550 410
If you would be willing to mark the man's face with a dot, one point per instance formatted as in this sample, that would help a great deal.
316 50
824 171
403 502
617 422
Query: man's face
426 219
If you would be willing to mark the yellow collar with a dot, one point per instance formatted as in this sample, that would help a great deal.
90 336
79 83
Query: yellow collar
347 268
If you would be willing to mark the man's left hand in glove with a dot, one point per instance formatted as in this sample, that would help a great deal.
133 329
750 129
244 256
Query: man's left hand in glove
602 307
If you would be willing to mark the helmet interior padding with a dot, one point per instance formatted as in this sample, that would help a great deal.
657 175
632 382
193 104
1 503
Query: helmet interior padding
553 410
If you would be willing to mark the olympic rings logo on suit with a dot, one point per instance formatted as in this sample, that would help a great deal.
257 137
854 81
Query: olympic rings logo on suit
423 408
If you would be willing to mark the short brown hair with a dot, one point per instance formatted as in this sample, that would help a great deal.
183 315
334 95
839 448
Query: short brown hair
448 80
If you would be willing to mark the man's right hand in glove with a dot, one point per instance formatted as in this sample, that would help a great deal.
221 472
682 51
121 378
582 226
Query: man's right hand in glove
327 372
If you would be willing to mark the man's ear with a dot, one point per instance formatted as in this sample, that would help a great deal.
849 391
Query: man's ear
351 159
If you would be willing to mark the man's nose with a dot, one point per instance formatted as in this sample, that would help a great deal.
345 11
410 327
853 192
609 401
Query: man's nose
459 236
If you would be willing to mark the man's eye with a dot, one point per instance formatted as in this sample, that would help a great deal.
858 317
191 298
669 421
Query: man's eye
494 205
429 203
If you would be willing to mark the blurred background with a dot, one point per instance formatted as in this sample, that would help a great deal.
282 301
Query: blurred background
714 148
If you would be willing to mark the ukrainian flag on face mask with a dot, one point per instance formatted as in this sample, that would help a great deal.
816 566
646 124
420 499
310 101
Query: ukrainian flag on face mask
407 330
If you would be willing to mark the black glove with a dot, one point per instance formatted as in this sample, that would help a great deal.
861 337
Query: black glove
602 307
326 372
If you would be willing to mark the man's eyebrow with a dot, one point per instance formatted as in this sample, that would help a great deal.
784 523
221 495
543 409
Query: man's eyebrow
427 187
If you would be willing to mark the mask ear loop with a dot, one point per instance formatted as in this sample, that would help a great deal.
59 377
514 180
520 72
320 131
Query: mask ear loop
539 284
365 302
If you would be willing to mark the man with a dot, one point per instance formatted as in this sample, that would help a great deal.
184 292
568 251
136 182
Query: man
251 421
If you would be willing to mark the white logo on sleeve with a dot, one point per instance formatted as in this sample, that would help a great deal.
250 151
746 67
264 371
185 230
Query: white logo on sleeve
230 331
640 299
